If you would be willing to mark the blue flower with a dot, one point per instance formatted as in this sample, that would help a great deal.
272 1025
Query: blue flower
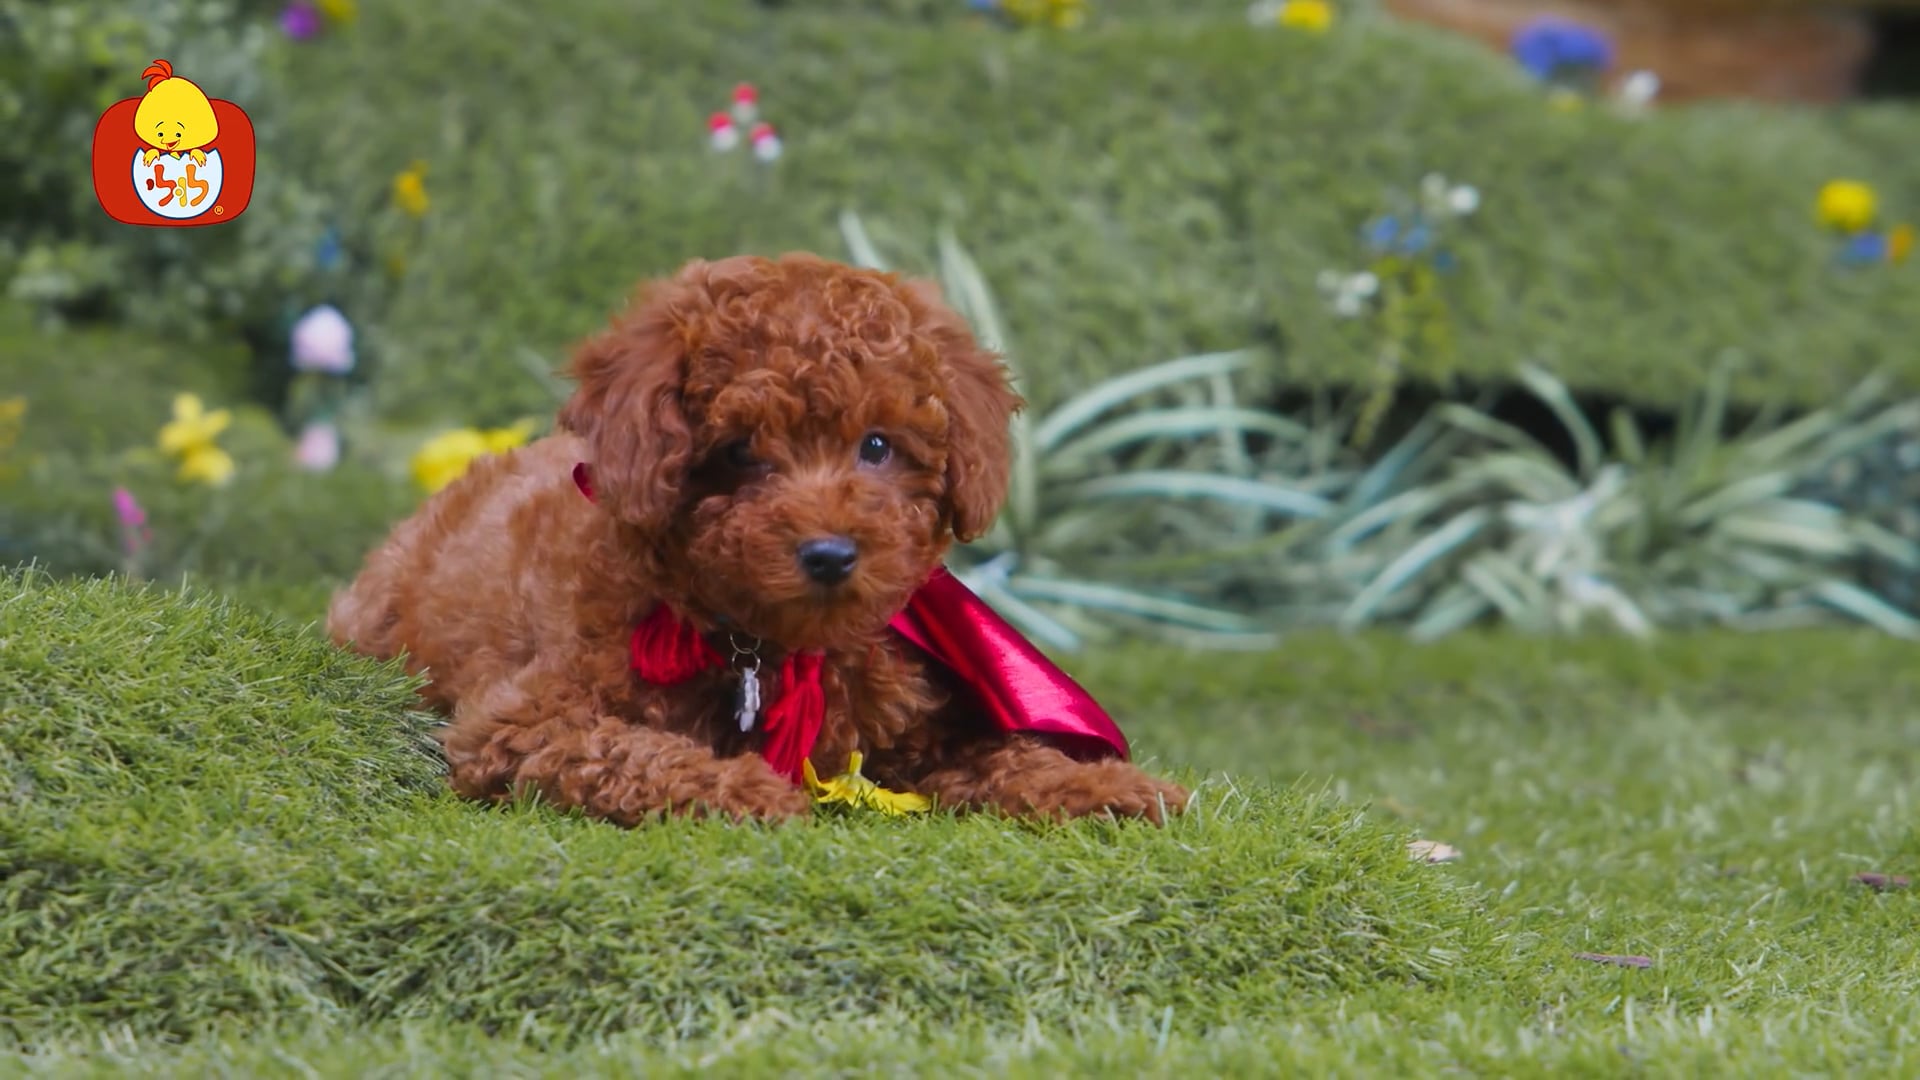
326 255
1388 234
1381 233
984 5
1868 247
1549 47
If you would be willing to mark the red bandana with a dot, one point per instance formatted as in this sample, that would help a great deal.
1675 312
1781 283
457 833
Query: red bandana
1010 679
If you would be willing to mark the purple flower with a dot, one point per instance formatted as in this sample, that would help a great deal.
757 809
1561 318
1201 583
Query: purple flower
300 20
1549 47
134 533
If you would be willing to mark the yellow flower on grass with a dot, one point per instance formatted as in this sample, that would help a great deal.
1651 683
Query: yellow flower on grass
12 410
861 793
1846 205
190 437
340 11
446 457
410 189
1564 100
1311 15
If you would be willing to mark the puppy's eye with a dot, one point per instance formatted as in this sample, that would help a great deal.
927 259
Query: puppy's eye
740 454
875 449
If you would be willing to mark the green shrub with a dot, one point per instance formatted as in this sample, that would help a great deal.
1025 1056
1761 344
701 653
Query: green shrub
1149 186
66 64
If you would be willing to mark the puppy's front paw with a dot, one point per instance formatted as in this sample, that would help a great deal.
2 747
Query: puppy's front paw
1132 795
746 789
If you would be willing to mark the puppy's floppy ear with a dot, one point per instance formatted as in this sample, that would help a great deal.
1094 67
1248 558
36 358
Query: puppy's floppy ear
629 409
980 403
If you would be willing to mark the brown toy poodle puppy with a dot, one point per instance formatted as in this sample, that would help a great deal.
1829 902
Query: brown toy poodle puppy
774 454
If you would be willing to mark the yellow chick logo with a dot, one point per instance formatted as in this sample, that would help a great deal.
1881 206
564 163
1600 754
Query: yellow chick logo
174 117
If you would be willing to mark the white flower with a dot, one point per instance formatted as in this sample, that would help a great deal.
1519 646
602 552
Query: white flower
1638 90
1264 12
1463 200
766 144
1363 283
322 341
319 447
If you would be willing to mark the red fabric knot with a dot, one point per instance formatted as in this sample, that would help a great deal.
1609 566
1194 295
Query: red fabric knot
583 479
794 721
667 649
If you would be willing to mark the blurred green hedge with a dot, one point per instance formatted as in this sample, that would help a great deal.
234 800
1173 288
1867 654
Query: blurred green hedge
1147 186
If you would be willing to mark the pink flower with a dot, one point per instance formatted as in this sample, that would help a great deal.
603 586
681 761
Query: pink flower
746 103
323 342
133 521
319 447
722 133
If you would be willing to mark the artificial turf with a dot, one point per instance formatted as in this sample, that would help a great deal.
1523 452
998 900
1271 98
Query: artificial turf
218 828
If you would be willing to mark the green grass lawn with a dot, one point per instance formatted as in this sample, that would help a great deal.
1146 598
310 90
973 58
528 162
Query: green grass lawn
275 860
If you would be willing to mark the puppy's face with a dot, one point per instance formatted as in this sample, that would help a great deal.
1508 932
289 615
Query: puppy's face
797 442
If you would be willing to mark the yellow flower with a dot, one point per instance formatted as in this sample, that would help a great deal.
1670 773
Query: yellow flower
1062 14
410 189
1564 100
11 410
1899 243
446 457
501 440
192 426
1312 15
859 792
340 11
1845 205
189 436
207 464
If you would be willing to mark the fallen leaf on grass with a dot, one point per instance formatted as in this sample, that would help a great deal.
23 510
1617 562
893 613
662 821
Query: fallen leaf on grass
1882 882
1432 851
1616 961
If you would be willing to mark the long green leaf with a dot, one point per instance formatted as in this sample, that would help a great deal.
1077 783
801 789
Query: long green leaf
1436 545
1554 393
859 246
1063 421
1867 607
1168 424
1130 601
1180 484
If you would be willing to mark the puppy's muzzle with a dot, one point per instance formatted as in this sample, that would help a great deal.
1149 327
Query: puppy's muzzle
828 560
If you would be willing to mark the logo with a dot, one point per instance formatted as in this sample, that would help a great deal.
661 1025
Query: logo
173 157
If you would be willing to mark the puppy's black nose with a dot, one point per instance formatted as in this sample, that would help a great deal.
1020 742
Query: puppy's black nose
829 559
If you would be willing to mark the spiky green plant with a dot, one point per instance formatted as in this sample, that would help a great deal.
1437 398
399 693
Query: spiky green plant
1156 461
1707 528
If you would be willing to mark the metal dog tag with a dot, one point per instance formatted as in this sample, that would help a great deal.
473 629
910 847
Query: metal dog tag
747 702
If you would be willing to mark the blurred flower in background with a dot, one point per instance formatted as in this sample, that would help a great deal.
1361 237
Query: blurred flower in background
300 20
340 11
134 533
410 189
1556 50
190 436
1059 14
446 457
1315 16
1846 206
319 447
322 342
13 412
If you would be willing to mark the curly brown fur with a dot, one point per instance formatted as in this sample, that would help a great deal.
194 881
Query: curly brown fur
723 417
